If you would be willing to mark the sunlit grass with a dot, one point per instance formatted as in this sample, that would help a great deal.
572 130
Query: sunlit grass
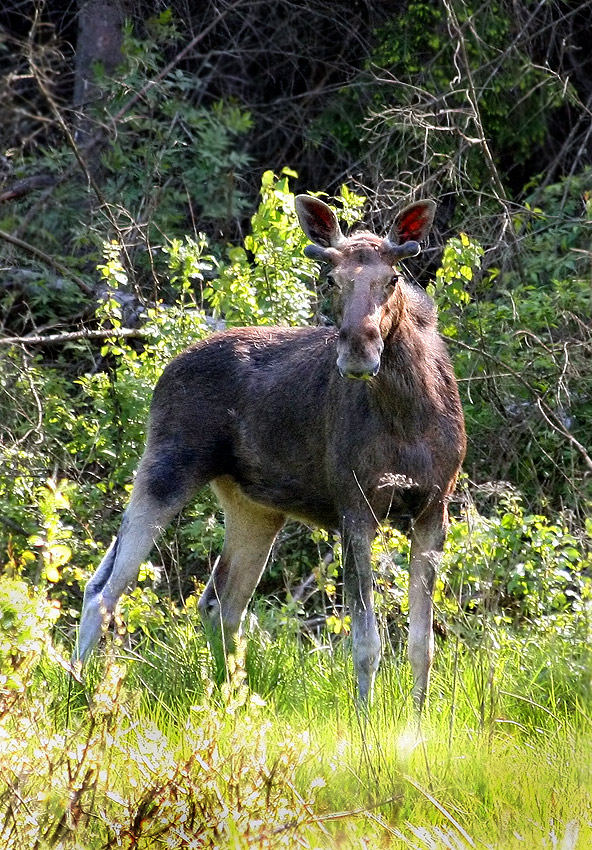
165 750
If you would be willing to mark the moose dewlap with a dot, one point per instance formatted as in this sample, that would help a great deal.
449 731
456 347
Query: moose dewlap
341 427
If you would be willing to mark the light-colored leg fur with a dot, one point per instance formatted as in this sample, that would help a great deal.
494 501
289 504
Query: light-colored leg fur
250 530
143 522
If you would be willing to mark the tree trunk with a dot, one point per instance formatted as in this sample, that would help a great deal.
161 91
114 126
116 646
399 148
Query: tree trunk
100 37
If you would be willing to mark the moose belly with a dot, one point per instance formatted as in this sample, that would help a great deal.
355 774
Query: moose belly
301 500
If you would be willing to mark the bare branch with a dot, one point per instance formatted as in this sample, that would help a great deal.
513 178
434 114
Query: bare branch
546 411
72 336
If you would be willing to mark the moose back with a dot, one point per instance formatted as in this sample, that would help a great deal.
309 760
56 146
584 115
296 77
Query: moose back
340 427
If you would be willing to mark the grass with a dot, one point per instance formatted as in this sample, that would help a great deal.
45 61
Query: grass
164 751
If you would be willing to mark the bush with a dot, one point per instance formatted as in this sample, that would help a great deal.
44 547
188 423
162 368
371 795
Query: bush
26 617
520 567
521 343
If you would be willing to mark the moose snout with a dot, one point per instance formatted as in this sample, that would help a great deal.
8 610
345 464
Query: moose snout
359 353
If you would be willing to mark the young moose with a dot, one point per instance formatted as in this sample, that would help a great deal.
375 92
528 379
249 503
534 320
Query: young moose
339 427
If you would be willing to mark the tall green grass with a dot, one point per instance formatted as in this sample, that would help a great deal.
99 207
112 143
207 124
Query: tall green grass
162 748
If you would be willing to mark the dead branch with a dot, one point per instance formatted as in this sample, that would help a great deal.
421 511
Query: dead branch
51 261
26 185
72 336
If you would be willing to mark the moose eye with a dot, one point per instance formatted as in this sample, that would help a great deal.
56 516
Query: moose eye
390 286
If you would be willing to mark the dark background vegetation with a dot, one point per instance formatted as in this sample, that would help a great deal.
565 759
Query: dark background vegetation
125 126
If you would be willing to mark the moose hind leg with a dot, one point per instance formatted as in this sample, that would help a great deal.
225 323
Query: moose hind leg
151 508
250 530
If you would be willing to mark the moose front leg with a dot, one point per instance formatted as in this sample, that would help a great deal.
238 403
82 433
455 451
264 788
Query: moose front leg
427 542
357 578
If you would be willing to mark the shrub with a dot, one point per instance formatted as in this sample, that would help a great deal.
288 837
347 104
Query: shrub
26 617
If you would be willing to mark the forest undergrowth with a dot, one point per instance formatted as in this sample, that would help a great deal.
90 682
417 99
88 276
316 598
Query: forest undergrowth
159 748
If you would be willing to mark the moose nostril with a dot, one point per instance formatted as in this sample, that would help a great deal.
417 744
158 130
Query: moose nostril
343 334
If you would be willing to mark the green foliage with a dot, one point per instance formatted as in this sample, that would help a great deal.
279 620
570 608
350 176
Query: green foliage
520 340
53 539
508 565
189 264
554 227
169 151
461 259
521 567
268 281
26 618
141 610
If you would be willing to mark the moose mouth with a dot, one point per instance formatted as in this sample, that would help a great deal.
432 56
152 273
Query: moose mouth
359 376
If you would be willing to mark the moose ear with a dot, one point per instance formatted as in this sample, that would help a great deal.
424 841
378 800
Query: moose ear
414 222
318 221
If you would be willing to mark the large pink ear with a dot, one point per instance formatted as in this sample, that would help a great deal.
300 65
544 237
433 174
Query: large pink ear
318 221
414 222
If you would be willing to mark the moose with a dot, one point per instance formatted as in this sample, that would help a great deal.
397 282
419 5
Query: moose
339 427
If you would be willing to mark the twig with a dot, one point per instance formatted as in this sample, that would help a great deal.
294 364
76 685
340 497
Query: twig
473 99
303 587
